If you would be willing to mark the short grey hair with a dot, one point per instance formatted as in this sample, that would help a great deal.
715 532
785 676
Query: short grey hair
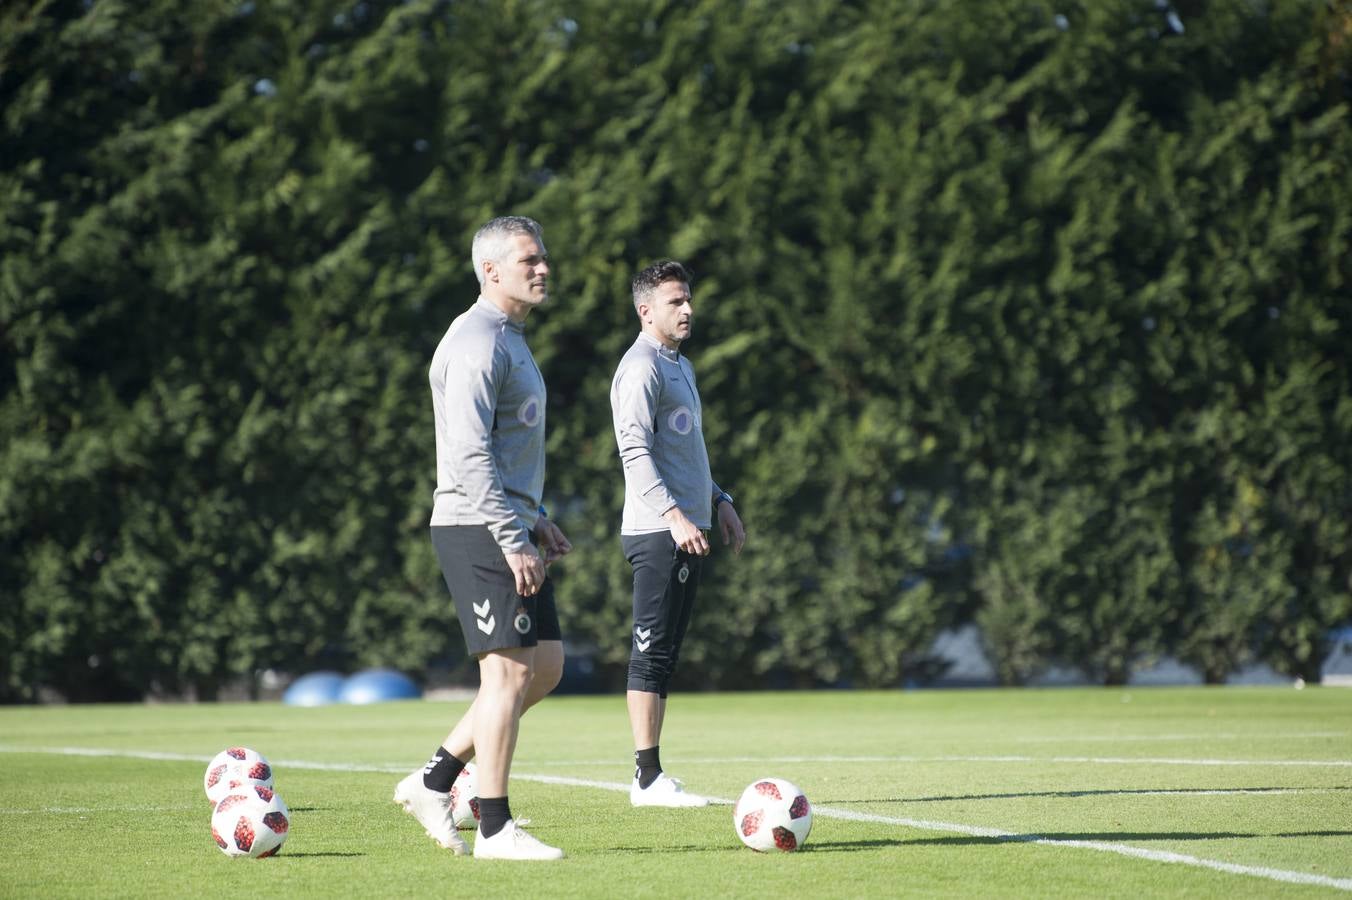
490 241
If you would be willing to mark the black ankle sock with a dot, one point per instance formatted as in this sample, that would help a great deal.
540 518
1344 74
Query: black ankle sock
493 815
440 771
648 766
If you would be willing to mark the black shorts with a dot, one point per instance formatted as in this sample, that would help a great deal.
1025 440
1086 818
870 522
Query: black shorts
493 616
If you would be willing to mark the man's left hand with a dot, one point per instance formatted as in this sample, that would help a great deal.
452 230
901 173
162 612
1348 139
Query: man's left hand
553 544
730 525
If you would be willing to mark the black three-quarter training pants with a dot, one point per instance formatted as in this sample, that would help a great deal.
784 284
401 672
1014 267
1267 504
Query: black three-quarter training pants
665 581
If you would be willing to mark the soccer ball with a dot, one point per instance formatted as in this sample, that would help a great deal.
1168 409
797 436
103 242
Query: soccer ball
465 798
235 767
250 821
772 814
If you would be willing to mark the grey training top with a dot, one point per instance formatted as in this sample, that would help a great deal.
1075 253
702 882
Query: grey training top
488 398
659 430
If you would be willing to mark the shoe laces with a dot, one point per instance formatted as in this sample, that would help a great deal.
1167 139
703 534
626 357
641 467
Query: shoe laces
522 836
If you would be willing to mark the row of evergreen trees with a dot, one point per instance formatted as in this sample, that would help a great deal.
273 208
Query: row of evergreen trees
1024 314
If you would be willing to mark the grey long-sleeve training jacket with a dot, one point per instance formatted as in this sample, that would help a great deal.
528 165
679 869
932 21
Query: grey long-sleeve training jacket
659 431
488 400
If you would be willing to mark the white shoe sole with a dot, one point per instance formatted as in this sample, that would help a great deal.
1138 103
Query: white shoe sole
671 795
530 850
456 845
517 858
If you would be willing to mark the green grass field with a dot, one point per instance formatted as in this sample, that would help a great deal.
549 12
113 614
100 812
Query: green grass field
1158 792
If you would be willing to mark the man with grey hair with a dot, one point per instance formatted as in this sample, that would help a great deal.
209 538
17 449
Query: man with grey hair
492 537
669 500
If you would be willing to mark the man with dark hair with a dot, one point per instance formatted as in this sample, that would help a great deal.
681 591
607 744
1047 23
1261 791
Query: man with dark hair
669 500
491 536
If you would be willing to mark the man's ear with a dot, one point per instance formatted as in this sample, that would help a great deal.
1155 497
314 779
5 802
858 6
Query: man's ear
490 270
643 310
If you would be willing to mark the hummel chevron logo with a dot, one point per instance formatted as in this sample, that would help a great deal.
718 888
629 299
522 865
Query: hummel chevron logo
642 638
484 619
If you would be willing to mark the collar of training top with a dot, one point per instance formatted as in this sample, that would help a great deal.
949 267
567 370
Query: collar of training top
499 317
660 347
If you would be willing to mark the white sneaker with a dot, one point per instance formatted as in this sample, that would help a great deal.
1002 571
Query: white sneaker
665 791
432 809
512 842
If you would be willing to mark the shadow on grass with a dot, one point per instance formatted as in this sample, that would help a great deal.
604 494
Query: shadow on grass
667 848
300 855
1097 793
850 846
812 846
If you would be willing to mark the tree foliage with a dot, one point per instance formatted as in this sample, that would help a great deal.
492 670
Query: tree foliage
1023 316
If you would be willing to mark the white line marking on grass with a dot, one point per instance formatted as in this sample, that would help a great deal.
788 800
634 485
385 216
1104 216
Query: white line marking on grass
314 765
197 757
99 751
1093 760
1109 760
1220 736
82 810
723 760
1161 856
581 782
1211 792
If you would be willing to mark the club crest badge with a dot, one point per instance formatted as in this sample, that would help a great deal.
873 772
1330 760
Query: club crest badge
681 420
522 621
530 412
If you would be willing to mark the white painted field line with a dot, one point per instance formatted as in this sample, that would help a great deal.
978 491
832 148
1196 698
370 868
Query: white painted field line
1342 884
724 760
1173 761
616 786
1265 872
1207 792
1150 738
81 810
1092 760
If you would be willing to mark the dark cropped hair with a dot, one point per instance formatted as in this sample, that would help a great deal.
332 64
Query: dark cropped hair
659 273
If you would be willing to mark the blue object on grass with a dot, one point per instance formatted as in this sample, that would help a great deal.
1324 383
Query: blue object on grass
377 686
314 689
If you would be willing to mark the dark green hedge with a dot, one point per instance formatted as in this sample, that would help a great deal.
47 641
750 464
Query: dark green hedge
1030 315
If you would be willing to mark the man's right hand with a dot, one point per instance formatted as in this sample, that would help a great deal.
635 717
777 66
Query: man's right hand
529 570
685 534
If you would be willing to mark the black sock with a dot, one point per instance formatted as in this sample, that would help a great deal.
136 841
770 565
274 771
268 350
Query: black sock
440 771
493 815
648 766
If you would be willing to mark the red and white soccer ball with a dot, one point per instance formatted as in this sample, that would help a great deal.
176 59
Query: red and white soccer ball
251 821
235 767
772 815
465 798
